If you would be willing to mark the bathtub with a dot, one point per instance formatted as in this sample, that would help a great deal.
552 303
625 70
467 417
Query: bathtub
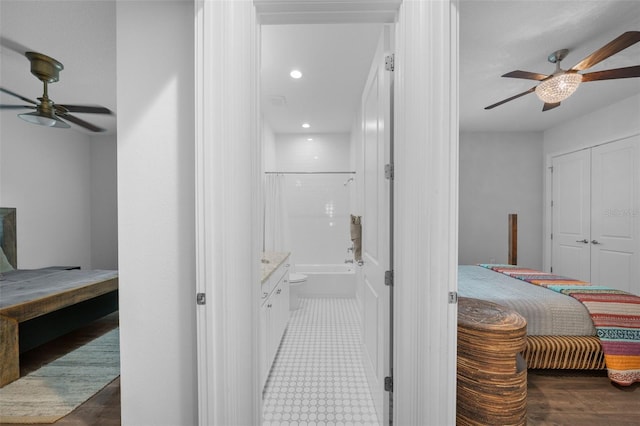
329 280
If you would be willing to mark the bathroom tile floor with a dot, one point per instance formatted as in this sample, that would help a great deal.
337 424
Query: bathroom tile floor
318 378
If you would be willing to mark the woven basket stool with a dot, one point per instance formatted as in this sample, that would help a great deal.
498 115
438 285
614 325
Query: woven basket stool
492 376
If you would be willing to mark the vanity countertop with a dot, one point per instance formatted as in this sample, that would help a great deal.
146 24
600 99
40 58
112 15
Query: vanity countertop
275 259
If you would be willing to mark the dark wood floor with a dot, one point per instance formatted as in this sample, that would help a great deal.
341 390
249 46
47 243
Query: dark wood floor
580 398
554 397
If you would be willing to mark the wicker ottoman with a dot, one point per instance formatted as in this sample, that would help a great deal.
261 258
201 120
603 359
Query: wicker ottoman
492 376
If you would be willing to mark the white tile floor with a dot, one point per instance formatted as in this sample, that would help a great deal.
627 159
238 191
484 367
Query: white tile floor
317 378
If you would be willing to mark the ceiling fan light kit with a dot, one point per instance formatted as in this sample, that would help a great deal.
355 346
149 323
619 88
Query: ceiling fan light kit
47 113
555 88
43 120
558 88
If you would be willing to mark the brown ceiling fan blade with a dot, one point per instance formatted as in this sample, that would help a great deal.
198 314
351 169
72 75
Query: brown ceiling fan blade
9 92
627 72
526 74
625 40
511 98
86 109
80 122
16 107
547 106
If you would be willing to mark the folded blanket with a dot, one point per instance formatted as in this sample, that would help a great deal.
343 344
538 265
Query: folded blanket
615 315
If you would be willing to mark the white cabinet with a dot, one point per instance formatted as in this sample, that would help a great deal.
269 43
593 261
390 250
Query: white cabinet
274 316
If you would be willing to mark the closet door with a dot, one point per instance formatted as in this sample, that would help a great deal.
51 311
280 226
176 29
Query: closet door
571 215
615 215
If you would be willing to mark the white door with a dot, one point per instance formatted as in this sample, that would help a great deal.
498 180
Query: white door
615 215
571 215
376 105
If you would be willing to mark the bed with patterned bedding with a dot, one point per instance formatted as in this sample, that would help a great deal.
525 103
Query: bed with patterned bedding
560 316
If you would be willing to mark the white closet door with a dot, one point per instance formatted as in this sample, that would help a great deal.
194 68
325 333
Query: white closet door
571 215
615 215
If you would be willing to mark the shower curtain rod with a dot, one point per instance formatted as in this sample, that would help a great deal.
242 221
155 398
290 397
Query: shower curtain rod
308 173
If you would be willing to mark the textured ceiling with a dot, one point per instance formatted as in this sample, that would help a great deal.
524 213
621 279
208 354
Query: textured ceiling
495 37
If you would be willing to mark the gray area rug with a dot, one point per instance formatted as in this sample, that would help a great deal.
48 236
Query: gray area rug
56 389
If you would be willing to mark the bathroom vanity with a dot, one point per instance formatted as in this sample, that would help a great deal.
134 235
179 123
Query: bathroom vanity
274 307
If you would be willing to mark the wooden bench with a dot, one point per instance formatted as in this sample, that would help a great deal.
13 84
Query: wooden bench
39 305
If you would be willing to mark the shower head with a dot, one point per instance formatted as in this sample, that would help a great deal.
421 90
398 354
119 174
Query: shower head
348 180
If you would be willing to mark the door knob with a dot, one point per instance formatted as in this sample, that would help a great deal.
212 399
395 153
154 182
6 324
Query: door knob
585 241
595 242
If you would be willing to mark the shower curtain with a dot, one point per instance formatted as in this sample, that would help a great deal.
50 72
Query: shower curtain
276 220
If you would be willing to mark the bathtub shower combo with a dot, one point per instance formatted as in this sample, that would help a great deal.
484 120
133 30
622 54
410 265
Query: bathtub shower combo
317 205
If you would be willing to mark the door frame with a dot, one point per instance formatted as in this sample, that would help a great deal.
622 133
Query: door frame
228 194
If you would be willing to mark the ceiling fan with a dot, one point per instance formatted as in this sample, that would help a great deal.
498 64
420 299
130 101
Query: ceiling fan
558 86
48 113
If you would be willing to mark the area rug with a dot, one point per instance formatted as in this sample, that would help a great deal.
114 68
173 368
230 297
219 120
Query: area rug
56 389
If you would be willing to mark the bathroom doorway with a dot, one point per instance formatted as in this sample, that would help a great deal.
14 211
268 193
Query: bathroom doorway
228 200
325 97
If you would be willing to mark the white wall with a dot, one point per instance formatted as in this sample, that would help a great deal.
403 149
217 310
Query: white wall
613 122
500 173
104 202
45 174
328 152
156 205
56 178
268 147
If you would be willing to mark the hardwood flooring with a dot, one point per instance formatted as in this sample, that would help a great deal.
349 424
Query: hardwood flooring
580 398
554 397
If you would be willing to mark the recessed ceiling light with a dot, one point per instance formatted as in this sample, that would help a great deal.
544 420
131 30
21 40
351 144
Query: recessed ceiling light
309 139
306 125
295 74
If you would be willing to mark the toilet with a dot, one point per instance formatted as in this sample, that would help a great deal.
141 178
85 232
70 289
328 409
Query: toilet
296 283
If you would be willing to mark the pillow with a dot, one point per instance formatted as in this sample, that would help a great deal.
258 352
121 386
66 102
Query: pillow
5 266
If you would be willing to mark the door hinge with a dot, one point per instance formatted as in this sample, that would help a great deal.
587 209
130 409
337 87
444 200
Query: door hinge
552 235
551 169
551 269
453 297
388 278
389 62
551 203
388 171
388 384
201 299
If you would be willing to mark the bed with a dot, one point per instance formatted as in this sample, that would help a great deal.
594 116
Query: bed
38 305
560 330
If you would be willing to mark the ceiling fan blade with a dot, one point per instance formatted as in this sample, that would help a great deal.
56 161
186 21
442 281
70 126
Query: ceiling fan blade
547 106
9 92
80 122
16 106
625 40
13 45
627 72
511 98
526 74
86 109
